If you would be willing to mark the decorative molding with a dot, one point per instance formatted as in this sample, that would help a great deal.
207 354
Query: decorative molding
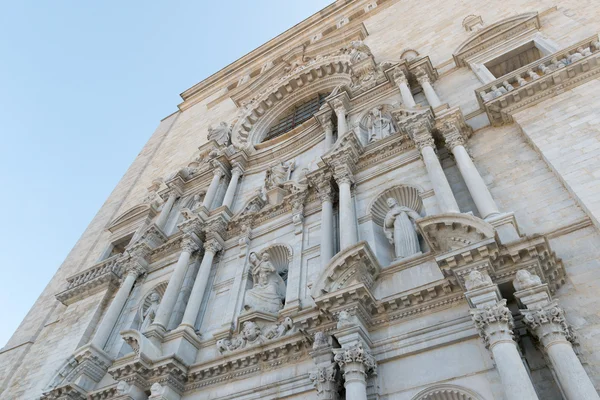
540 80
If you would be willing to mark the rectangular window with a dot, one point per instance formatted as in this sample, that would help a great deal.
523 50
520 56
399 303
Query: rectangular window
514 59
117 247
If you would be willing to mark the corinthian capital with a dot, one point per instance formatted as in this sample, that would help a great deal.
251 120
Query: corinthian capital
494 323
452 135
356 355
326 380
237 169
422 76
420 133
188 244
548 323
338 106
400 77
212 246
134 269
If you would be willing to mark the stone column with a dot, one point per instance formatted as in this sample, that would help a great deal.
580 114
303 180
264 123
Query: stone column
348 229
165 309
166 210
494 322
356 364
402 82
327 244
443 193
479 191
132 271
211 247
545 319
340 112
328 135
212 189
236 173
430 94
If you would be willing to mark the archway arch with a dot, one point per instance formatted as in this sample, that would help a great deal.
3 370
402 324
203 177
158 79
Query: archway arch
447 392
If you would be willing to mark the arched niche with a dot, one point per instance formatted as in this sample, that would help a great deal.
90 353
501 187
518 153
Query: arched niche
281 256
405 195
322 74
145 302
377 122
447 392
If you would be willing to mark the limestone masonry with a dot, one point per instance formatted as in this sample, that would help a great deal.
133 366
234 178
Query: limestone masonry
394 199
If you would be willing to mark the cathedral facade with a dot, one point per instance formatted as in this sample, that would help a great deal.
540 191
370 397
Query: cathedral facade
392 200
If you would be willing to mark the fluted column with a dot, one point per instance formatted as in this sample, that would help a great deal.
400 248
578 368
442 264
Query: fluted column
443 193
211 247
132 271
236 173
340 112
425 82
479 191
495 324
545 319
212 189
167 304
329 134
402 82
356 364
347 227
166 210
327 240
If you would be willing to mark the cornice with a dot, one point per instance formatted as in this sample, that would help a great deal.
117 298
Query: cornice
323 22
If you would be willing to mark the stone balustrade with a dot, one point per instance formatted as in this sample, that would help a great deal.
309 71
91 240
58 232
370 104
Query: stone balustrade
93 278
539 80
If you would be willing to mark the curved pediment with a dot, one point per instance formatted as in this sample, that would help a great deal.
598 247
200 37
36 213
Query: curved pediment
356 264
131 216
495 34
446 392
319 74
450 232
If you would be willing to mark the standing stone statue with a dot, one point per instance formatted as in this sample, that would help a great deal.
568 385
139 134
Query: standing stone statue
150 312
220 134
268 290
400 230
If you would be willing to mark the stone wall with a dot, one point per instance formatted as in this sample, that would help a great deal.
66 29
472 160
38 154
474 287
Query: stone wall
544 169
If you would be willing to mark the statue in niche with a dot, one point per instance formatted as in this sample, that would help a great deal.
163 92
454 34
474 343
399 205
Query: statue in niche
400 230
278 174
221 134
150 312
379 125
268 289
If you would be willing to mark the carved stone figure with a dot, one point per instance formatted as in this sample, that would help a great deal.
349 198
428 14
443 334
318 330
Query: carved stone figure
221 134
379 125
150 312
400 230
525 280
477 279
358 51
268 290
278 174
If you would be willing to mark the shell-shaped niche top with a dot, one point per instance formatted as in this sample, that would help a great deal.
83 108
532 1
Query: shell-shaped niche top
405 195
280 255
159 290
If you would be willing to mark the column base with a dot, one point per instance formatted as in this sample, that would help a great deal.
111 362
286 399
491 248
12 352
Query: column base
506 226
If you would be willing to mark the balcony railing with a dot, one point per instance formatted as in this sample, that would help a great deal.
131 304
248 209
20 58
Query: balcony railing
92 278
539 80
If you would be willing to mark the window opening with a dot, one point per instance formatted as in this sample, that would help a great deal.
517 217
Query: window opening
514 59
299 114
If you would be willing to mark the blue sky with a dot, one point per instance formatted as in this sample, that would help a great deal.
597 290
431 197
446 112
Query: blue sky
82 87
